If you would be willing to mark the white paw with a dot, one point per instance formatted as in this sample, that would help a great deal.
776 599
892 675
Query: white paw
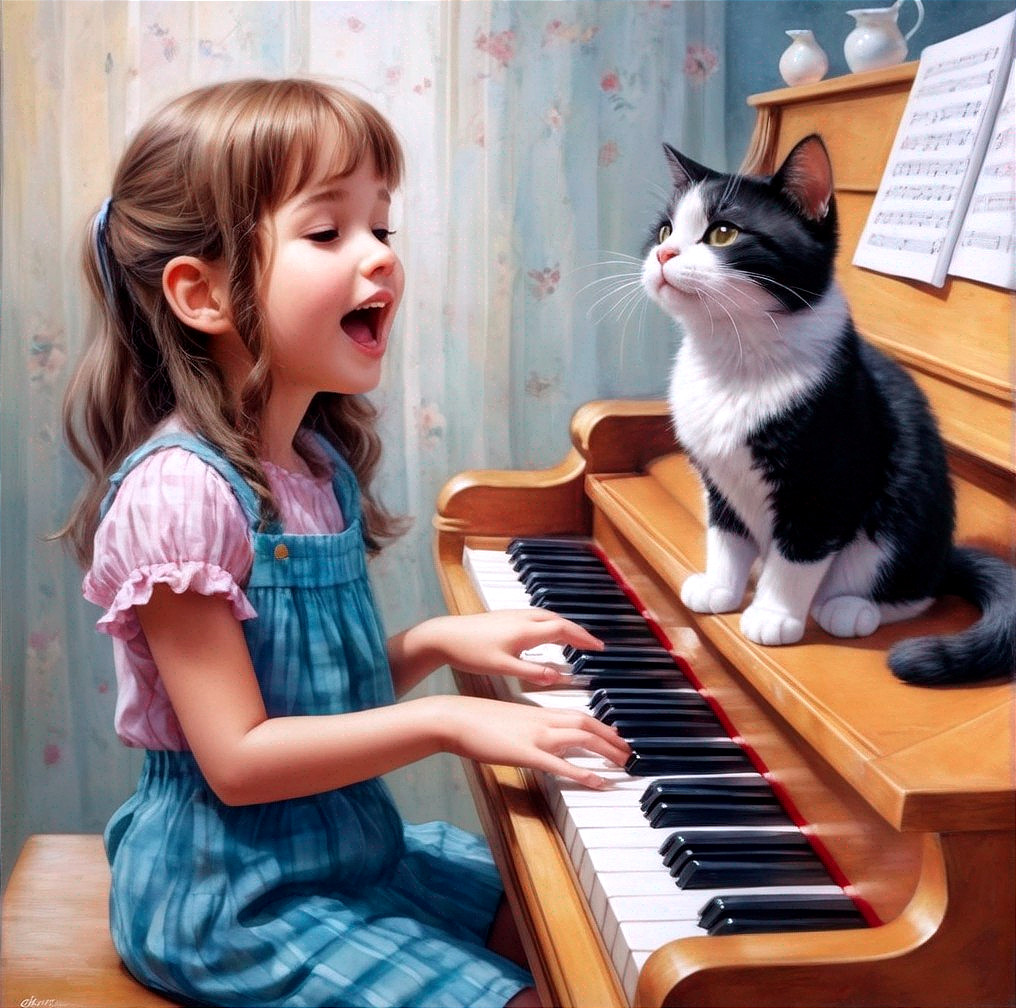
700 594
848 616
770 626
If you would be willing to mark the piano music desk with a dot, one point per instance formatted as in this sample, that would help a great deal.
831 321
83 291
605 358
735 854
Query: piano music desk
911 790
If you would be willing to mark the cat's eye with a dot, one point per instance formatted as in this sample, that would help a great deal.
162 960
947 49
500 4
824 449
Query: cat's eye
665 232
721 235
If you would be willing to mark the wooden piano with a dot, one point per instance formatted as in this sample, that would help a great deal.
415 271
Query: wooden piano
908 791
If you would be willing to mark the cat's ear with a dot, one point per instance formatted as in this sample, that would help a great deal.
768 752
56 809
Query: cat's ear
683 170
806 176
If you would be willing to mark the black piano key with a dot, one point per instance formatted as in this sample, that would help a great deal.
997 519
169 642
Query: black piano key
609 713
531 560
750 789
691 812
632 730
550 597
681 697
755 914
760 870
680 855
675 793
653 660
654 757
550 544
575 582
680 842
571 610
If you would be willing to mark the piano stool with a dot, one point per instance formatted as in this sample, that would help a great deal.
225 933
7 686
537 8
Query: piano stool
55 947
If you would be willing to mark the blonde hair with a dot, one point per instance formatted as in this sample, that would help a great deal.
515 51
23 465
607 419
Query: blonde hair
198 179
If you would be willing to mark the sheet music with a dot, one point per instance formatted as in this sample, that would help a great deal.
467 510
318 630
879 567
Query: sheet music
986 249
919 209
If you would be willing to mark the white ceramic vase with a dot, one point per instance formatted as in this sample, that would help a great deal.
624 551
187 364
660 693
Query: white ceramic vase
876 41
803 61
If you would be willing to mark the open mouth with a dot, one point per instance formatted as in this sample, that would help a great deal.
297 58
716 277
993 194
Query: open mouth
363 324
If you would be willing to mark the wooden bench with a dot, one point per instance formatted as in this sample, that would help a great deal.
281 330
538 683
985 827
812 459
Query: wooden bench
55 947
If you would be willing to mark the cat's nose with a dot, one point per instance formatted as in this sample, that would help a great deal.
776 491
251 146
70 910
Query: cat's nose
665 254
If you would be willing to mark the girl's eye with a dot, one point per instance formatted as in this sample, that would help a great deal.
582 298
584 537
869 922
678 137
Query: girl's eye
665 232
324 236
383 234
721 235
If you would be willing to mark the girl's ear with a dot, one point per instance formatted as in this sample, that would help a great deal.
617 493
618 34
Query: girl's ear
197 293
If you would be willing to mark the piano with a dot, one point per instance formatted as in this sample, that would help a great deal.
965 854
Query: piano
796 827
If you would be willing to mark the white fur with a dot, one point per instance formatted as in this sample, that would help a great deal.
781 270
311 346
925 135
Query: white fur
743 361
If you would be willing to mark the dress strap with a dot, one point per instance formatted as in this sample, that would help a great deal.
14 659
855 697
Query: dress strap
344 482
242 490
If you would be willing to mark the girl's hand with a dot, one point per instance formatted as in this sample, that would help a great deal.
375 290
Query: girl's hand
487 643
510 734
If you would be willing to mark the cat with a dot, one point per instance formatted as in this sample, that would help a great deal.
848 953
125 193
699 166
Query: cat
819 455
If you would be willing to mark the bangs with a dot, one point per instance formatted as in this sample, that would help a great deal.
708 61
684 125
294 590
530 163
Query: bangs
321 116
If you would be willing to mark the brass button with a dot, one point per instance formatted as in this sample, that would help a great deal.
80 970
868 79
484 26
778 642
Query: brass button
281 551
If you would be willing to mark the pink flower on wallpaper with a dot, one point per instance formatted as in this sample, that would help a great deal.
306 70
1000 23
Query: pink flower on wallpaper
565 33
425 85
355 24
393 75
166 41
47 356
700 63
51 754
610 82
544 282
500 46
430 423
609 153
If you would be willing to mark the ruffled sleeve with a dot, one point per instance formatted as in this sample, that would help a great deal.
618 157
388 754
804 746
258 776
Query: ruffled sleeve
174 521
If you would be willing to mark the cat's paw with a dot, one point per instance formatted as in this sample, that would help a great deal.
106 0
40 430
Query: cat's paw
847 616
701 595
771 626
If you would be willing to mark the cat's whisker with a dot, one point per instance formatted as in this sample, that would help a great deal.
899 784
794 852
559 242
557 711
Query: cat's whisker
618 279
621 295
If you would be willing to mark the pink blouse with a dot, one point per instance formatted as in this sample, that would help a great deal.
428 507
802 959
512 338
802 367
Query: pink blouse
176 521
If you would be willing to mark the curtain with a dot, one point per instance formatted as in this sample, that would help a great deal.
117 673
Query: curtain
535 175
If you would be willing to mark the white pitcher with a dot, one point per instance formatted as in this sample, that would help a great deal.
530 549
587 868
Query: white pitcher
803 62
877 41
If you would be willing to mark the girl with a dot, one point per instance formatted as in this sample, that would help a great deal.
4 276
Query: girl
247 289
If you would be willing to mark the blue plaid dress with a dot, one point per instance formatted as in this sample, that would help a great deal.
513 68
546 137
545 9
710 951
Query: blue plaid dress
330 900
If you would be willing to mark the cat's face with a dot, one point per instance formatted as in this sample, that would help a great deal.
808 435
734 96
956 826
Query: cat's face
742 248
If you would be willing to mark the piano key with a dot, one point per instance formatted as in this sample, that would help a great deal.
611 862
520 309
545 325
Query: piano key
632 896
678 802
750 913
656 756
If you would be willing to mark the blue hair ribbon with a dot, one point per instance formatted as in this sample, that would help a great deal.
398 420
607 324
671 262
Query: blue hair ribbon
100 239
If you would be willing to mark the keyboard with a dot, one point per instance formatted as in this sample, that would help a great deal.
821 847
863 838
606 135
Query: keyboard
690 838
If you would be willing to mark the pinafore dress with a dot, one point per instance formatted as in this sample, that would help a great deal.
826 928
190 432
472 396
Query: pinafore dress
329 900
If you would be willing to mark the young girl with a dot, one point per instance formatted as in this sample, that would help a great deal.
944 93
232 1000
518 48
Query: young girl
247 289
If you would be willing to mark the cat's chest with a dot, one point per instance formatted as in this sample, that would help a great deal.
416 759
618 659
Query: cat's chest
714 419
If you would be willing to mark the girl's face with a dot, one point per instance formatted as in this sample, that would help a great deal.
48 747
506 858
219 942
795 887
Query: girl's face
333 284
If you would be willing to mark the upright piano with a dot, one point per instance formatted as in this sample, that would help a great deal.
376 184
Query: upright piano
904 795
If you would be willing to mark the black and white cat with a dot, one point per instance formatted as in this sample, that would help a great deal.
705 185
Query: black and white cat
819 455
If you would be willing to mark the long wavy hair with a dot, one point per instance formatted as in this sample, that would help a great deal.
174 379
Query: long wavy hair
199 179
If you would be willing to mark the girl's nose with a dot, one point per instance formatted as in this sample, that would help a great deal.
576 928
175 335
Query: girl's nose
665 254
378 256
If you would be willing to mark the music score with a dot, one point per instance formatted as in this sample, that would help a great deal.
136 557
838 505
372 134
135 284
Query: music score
956 135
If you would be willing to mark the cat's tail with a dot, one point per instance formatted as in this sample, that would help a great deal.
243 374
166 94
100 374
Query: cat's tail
986 650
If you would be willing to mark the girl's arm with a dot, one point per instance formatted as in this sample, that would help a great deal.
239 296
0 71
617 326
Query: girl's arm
247 757
485 643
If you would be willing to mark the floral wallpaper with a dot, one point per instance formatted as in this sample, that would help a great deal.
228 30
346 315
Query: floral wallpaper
532 132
